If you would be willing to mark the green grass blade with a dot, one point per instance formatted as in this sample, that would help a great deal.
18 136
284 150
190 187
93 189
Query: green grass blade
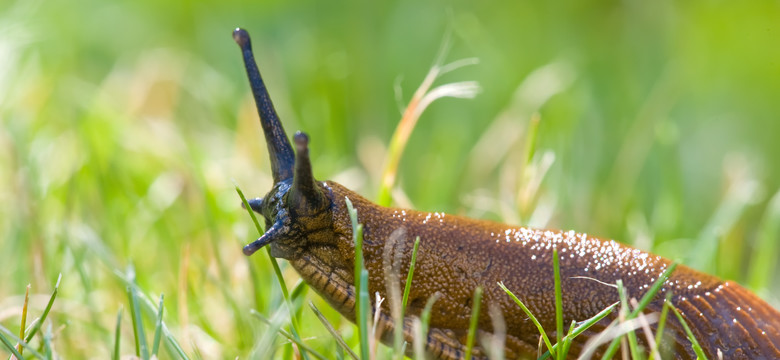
654 289
585 325
633 346
425 316
408 285
10 346
117 333
398 327
531 316
53 296
277 270
361 274
339 340
695 344
24 317
763 262
170 342
558 302
301 345
424 321
10 337
363 314
567 340
474 319
158 328
659 332
141 347
646 299
47 336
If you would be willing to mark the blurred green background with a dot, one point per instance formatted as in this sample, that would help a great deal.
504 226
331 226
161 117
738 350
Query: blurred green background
124 124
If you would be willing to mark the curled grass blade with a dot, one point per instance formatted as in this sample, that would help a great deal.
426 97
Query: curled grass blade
421 99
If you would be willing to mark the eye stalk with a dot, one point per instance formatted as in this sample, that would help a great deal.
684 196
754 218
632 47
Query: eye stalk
305 196
279 148
296 197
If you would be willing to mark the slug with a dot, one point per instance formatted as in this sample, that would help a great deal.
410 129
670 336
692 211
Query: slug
308 224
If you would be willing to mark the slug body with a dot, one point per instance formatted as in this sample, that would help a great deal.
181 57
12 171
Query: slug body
308 224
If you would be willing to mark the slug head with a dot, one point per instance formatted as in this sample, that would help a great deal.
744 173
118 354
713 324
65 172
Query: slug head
297 209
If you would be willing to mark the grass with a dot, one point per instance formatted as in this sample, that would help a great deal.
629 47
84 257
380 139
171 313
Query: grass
119 147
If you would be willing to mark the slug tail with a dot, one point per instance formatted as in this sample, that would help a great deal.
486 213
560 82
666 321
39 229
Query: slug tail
733 322
279 148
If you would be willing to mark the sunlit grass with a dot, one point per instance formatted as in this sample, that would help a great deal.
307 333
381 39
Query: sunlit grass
124 124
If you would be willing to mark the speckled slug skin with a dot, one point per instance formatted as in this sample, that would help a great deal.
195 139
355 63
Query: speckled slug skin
308 224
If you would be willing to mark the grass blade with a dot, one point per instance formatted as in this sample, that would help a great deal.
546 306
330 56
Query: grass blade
474 319
158 328
10 338
10 346
24 317
37 326
277 269
646 299
408 285
47 336
141 347
361 274
659 333
763 262
339 340
421 99
585 325
531 316
695 344
290 337
631 335
399 322
558 302
425 319
170 342
117 332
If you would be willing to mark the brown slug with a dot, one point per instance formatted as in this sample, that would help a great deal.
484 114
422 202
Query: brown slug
309 225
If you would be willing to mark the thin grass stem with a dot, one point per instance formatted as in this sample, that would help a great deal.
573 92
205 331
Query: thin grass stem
531 316
158 328
117 333
558 302
474 320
